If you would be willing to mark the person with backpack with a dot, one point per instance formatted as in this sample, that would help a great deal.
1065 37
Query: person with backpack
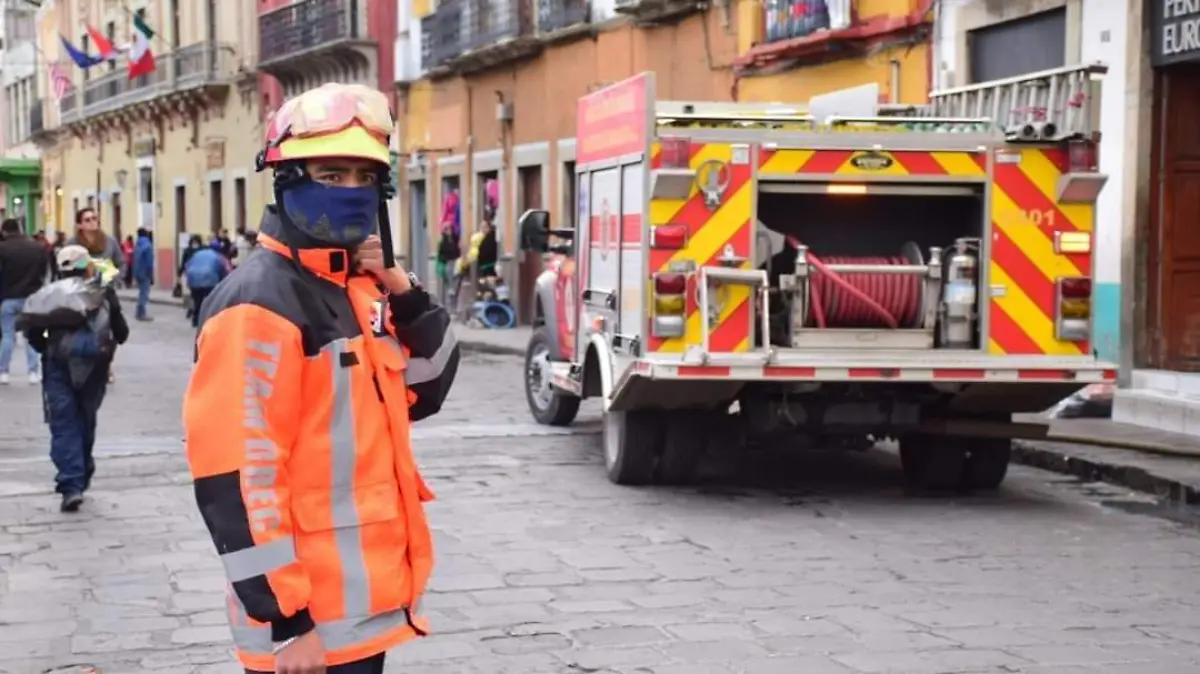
205 269
75 364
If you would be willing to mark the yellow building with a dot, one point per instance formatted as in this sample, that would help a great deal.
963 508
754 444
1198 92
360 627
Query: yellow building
173 150
791 50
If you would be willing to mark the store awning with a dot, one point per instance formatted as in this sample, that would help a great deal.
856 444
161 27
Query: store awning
23 170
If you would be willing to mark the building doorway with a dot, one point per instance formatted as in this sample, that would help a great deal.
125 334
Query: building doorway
1173 308
239 204
418 231
180 222
116 216
216 206
529 195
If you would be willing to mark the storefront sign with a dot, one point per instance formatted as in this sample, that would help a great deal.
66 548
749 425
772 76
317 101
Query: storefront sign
613 122
1176 30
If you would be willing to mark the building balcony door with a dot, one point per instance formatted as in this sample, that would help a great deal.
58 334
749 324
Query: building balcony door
1173 308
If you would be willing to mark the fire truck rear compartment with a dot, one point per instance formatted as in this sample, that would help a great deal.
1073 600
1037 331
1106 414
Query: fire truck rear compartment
888 265
872 225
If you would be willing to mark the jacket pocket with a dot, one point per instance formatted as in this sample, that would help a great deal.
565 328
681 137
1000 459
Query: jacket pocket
322 510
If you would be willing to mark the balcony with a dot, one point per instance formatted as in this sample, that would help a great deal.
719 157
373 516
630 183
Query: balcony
313 41
199 69
558 18
470 35
813 31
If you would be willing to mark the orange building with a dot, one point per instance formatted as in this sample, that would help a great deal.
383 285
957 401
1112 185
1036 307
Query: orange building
488 89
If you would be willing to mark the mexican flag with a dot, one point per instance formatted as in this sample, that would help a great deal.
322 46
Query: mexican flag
141 59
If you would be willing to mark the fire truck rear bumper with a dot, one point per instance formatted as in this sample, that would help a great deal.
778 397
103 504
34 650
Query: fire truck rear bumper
978 382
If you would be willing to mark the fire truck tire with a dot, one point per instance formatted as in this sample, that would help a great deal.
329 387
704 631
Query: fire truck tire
933 463
548 407
685 438
987 463
632 442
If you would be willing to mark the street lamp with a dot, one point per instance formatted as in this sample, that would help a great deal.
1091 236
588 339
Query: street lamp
122 176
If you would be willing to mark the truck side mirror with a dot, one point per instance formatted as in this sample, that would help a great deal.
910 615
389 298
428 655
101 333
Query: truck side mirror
534 225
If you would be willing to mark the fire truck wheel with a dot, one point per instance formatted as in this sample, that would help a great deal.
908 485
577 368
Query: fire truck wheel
548 406
933 463
632 441
684 440
987 462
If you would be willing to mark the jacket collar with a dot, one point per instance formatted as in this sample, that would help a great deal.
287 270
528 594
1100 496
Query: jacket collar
331 264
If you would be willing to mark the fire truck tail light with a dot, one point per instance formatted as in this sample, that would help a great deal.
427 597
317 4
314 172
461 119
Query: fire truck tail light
1076 287
670 284
1074 320
668 237
1082 156
670 305
676 152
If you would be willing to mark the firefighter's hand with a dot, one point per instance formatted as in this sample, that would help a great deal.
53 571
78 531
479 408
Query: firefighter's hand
368 258
305 655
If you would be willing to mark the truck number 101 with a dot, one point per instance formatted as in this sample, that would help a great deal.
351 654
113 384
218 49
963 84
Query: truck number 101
1039 217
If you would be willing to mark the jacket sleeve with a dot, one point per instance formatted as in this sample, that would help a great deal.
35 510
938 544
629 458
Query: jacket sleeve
423 327
241 414
116 317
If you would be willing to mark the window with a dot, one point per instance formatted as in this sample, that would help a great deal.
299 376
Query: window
239 203
175 32
1011 48
111 31
85 45
145 185
74 208
216 204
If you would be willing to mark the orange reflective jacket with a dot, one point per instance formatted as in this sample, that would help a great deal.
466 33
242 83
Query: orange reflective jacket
297 426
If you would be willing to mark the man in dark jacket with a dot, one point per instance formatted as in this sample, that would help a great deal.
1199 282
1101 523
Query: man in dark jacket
73 385
23 269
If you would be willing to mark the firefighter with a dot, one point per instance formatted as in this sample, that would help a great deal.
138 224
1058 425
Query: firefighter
312 360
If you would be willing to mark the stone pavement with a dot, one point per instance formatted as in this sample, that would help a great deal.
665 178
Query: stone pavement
1094 449
777 563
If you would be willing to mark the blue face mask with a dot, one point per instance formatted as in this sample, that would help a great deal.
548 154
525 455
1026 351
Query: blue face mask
340 216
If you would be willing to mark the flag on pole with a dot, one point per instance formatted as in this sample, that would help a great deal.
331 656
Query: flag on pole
80 57
141 59
60 84
103 44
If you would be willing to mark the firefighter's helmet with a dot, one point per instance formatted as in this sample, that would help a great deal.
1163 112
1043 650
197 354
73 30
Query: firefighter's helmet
332 120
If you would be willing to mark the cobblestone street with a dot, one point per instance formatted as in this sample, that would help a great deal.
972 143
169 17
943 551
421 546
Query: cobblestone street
808 564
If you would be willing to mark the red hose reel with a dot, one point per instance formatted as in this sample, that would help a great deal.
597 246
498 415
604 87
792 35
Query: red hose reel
864 300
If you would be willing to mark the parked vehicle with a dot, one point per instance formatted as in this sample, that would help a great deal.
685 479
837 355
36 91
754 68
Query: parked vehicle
744 271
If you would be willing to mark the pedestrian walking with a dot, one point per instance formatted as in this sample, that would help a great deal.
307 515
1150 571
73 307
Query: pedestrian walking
104 249
206 268
75 365
23 270
336 355
143 272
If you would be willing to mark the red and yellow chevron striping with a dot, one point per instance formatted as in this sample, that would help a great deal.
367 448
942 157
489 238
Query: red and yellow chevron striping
710 231
1024 267
844 163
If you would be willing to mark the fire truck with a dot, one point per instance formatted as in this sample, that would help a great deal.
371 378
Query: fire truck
834 275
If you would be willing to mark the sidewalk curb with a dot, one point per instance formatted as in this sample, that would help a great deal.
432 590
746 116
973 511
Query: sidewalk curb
467 343
1043 455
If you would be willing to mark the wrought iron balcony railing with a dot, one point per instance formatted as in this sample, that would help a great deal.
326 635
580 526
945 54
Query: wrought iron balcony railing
195 66
308 25
555 15
461 27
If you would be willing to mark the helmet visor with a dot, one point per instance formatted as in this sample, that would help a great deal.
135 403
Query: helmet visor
332 108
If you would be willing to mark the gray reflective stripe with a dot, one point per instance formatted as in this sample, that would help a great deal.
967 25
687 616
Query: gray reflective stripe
421 370
259 559
335 634
355 585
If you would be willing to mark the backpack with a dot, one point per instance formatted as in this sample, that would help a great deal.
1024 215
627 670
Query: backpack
88 342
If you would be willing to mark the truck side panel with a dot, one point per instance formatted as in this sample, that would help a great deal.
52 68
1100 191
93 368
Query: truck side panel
1024 267
710 232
